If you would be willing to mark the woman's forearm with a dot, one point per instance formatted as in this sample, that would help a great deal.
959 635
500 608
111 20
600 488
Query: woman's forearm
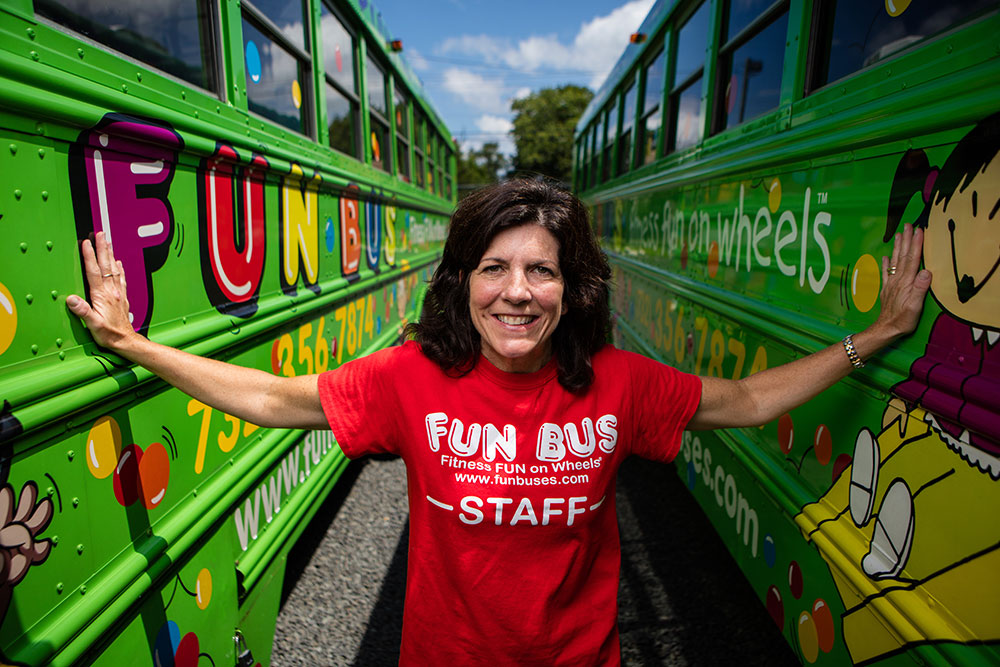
254 395
250 394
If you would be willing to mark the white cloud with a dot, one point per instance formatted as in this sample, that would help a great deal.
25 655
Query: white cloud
595 48
494 124
521 93
416 60
479 92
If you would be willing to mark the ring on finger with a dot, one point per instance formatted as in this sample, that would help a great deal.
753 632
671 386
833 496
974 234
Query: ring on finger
107 275
892 270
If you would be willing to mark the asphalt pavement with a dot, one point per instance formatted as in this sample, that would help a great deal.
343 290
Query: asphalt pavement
682 600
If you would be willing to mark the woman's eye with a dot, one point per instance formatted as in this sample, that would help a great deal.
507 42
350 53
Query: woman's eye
492 268
544 270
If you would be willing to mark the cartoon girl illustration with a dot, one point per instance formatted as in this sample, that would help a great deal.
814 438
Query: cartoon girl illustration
923 492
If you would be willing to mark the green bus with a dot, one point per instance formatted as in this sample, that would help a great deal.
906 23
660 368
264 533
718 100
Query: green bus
291 153
747 164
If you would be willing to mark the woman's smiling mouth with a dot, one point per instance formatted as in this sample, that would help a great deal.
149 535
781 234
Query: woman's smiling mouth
516 320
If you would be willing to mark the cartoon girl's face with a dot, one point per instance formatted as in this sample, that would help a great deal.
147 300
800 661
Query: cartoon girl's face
962 248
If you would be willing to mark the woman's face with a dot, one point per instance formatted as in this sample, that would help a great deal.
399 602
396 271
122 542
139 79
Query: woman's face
516 298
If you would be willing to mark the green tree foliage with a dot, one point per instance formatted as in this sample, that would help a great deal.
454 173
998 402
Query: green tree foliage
543 130
477 168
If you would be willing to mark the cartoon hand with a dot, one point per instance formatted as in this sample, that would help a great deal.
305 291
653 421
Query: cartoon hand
19 526
107 314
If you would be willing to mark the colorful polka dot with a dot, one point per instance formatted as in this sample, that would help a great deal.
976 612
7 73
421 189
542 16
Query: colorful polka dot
253 62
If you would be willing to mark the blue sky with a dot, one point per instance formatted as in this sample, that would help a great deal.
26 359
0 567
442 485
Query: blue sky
475 56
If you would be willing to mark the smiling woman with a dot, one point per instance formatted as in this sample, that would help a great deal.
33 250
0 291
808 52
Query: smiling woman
516 298
516 383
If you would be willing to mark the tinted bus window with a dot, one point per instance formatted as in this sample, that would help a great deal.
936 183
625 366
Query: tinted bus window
610 130
343 108
750 73
402 106
175 37
274 80
687 122
692 41
419 161
379 138
287 18
649 125
595 142
628 120
338 50
741 13
853 34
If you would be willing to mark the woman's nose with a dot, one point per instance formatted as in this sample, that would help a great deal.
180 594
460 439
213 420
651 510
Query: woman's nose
516 290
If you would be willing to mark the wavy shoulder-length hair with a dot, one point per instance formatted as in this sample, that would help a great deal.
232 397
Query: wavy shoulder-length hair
445 330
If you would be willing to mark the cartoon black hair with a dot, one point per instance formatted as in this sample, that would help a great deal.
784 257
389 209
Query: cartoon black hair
915 174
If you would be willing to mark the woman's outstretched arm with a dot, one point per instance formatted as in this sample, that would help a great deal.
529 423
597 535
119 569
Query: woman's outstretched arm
247 393
767 395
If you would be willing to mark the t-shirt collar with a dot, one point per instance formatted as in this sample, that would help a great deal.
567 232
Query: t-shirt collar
516 380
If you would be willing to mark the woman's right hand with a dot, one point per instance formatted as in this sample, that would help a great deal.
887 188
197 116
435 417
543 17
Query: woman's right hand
107 314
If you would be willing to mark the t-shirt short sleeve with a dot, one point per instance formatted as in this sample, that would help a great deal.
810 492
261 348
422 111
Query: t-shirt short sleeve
361 404
663 401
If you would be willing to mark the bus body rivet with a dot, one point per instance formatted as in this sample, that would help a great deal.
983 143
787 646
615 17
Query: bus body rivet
41 153
59 587
70 455
45 195
54 294
79 52
76 502
59 342
23 246
48 245
62 354
83 590
34 348
17 195
29 297
31 33
13 149
79 548
34 56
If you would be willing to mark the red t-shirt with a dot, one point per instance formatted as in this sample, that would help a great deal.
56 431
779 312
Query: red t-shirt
514 551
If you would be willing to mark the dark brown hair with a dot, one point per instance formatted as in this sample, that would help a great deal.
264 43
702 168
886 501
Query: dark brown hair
445 330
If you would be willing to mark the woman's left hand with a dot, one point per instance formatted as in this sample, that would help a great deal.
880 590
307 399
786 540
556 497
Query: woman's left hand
904 286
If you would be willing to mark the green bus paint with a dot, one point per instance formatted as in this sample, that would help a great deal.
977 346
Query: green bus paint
865 520
144 526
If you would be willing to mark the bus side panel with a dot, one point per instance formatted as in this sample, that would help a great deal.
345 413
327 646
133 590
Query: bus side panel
135 516
865 519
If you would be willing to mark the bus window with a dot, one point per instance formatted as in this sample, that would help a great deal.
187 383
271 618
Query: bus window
378 114
287 17
687 123
178 38
342 104
595 147
277 80
419 159
429 152
649 125
610 130
441 164
402 112
751 61
853 34
628 120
